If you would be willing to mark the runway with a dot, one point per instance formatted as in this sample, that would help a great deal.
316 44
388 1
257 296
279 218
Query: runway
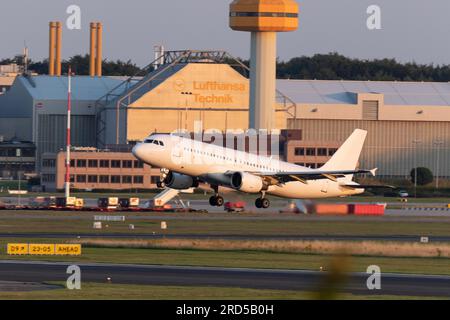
149 236
301 280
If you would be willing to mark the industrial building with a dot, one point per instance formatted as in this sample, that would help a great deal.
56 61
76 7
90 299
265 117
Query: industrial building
17 159
35 108
92 169
408 123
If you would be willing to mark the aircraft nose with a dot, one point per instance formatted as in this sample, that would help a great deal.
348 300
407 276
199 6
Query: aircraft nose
137 151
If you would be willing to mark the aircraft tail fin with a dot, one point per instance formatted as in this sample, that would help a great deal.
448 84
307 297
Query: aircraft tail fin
346 157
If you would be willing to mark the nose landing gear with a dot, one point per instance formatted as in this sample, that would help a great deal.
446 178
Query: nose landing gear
161 184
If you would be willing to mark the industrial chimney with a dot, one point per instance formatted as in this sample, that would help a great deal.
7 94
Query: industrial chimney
55 45
263 18
96 50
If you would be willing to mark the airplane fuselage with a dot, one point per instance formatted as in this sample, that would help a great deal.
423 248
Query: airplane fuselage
213 164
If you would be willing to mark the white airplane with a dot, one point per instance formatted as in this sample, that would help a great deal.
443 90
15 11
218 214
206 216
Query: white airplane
187 162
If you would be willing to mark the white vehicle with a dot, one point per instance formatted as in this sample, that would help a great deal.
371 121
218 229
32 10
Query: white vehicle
187 162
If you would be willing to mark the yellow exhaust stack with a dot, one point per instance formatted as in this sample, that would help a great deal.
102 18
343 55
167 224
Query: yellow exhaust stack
58 49
96 50
51 55
92 49
55 47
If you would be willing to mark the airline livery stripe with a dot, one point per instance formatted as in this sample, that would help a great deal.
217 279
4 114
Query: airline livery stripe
264 14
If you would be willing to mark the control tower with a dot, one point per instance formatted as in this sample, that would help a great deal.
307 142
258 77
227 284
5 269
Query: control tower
263 18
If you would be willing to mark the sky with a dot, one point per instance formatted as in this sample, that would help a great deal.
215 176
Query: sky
411 30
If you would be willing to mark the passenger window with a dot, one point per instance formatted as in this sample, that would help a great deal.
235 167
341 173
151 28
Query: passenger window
149 141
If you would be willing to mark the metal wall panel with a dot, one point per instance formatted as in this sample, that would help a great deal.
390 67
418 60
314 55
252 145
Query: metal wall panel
52 132
390 144
370 110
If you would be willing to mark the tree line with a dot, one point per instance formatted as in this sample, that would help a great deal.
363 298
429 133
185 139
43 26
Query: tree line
332 66
80 66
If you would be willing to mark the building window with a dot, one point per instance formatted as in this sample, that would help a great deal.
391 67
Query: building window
127 164
138 164
138 179
48 163
81 179
72 178
320 165
115 179
72 163
154 179
104 163
310 151
127 179
115 163
322 152
299 151
81 163
48 178
332 151
92 179
93 163
311 165
104 179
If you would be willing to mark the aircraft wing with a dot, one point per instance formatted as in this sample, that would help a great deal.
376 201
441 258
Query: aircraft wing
303 176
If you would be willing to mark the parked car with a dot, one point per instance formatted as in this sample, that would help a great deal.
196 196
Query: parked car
403 194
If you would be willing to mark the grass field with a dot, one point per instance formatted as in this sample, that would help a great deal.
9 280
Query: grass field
81 223
241 258
95 291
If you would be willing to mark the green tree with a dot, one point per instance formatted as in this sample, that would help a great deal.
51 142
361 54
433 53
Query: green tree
424 176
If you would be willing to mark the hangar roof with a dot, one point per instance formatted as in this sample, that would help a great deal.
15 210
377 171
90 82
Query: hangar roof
345 92
83 87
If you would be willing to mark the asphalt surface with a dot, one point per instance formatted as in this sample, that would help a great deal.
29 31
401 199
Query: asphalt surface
356 283
403 238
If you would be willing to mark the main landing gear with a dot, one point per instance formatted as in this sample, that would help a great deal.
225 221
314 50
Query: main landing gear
262 202
216 200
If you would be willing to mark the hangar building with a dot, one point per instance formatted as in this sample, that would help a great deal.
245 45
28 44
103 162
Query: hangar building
408 123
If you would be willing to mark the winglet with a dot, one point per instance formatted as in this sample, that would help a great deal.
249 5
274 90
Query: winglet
374 172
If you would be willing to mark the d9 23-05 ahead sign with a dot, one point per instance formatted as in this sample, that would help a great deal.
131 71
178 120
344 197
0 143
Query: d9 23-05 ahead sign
44 249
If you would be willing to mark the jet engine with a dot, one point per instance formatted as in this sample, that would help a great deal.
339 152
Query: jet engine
180 181
247 182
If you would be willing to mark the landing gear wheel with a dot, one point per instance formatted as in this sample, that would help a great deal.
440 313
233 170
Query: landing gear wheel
216 201
219 201
265 203
212 201
160 185
262 203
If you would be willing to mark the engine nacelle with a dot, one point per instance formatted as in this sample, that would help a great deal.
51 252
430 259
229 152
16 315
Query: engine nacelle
179 181
247 182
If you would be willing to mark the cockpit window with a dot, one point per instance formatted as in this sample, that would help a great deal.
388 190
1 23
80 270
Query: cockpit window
157 142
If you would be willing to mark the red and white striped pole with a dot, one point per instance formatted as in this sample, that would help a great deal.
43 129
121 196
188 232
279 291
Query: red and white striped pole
68 146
